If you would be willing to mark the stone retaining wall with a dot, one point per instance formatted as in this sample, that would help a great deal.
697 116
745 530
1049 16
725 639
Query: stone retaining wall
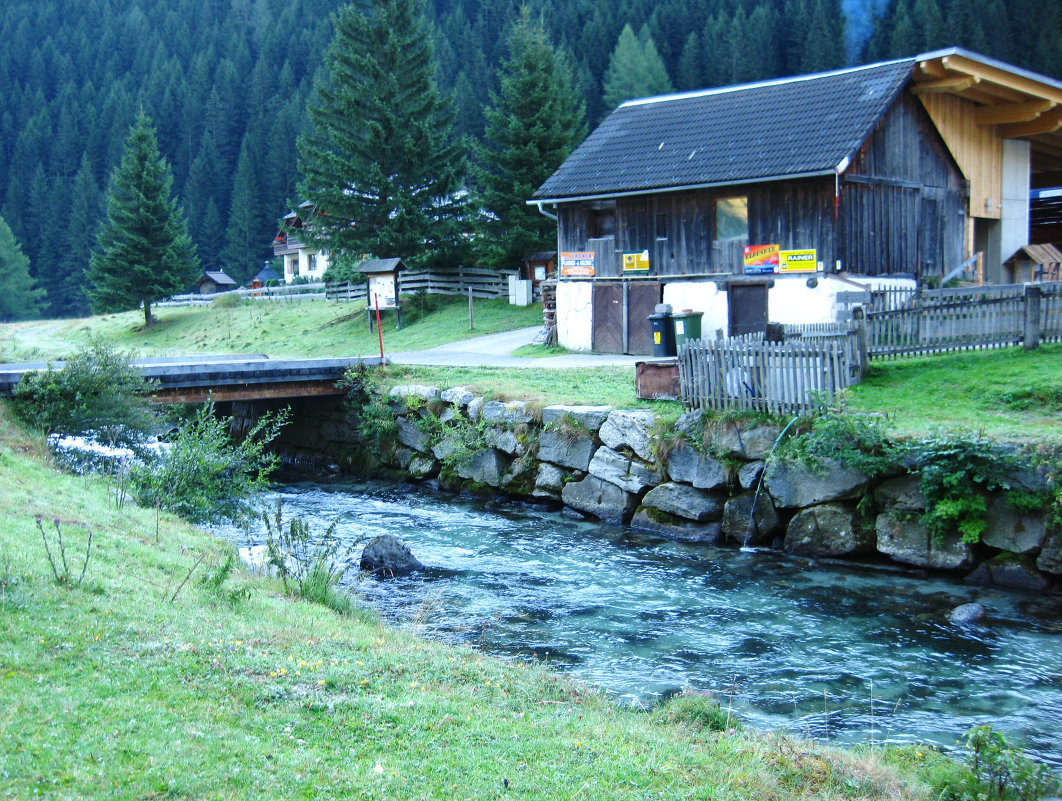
612 464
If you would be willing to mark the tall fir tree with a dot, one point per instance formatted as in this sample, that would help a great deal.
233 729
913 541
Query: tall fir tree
19 299
535 121
83 218
144 252
380 165
245 239
635 69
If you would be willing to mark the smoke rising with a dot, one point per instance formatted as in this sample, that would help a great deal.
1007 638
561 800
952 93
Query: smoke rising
860 16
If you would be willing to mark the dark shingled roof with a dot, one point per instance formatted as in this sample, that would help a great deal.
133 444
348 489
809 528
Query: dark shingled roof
765 131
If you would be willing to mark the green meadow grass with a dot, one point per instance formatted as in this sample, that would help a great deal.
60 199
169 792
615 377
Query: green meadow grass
145 682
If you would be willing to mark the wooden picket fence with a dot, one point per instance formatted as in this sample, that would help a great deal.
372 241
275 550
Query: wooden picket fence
281 292
907 322
748 373
814 363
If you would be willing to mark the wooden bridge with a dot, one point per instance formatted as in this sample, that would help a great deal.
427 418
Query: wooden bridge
195 379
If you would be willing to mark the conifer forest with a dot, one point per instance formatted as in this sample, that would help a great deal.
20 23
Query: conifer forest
227 84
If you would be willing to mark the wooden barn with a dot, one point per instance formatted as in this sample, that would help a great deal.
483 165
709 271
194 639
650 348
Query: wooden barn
908 167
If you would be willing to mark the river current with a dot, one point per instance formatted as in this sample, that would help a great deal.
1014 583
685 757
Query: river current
833 652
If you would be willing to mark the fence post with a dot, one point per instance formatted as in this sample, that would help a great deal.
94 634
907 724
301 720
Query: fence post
859 314
1031 340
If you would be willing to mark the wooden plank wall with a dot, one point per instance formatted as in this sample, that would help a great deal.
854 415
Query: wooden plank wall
978 149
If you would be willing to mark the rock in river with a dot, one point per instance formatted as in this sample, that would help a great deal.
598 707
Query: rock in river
388 555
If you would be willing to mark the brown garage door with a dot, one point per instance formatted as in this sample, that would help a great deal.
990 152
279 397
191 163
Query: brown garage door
607 336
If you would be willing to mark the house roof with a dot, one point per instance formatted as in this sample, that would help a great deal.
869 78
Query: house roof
1038 254
266 274
217 276
381 266
772 130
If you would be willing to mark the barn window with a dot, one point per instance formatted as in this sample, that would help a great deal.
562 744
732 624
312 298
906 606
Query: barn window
661 226
732 218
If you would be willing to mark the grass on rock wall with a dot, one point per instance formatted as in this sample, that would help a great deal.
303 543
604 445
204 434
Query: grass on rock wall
113 690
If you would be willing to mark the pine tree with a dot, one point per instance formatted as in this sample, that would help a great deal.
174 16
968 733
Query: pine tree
144 251
83 218
246 240
635 69
19 299
379 165
535 121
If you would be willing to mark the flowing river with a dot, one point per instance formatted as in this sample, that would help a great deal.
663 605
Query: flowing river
834 652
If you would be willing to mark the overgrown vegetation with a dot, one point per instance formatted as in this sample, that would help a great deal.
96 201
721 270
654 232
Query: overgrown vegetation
97 391
204 475
310 566
367 408
862 442
956 472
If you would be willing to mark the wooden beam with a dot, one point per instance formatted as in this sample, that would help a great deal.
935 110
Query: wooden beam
934 69
1002 77
942 85
1005 113
1044 124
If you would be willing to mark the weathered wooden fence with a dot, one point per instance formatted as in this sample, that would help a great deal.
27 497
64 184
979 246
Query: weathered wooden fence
750 373
813 363
907 322
286 292
482 282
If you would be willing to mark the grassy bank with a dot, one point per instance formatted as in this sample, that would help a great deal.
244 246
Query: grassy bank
292 328
139 683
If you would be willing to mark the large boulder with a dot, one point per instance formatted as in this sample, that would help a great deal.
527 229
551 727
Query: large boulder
739 525
683 501
676 528
1010 531
388 556
631 429
903 538
458 396
590 417
419 391
901 494
749 474
752 443
967 614
549 481
689 466
575 453
1009 571
422 467
627 474
475 408
505 441
509 413
826 530
486 467
1050 558
600 498
794 485
411 436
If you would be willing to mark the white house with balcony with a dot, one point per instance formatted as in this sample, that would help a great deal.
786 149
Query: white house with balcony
301 260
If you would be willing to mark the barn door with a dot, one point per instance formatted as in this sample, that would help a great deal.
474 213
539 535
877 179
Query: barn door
641 302
607 332
748 309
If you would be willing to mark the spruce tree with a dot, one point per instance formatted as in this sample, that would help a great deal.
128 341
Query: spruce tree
635 69
534 123
380 165
19 299
144 252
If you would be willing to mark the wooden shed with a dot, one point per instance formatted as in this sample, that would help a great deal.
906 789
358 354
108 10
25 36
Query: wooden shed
898 168
1034 263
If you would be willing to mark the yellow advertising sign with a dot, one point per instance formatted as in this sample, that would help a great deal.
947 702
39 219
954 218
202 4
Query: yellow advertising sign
798 261
577 263
636 262
761 258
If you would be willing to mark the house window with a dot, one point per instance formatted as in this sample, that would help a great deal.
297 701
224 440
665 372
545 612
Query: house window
311 263
732 218
602 220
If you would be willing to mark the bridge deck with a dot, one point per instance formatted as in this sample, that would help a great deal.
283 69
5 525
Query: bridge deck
189 379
